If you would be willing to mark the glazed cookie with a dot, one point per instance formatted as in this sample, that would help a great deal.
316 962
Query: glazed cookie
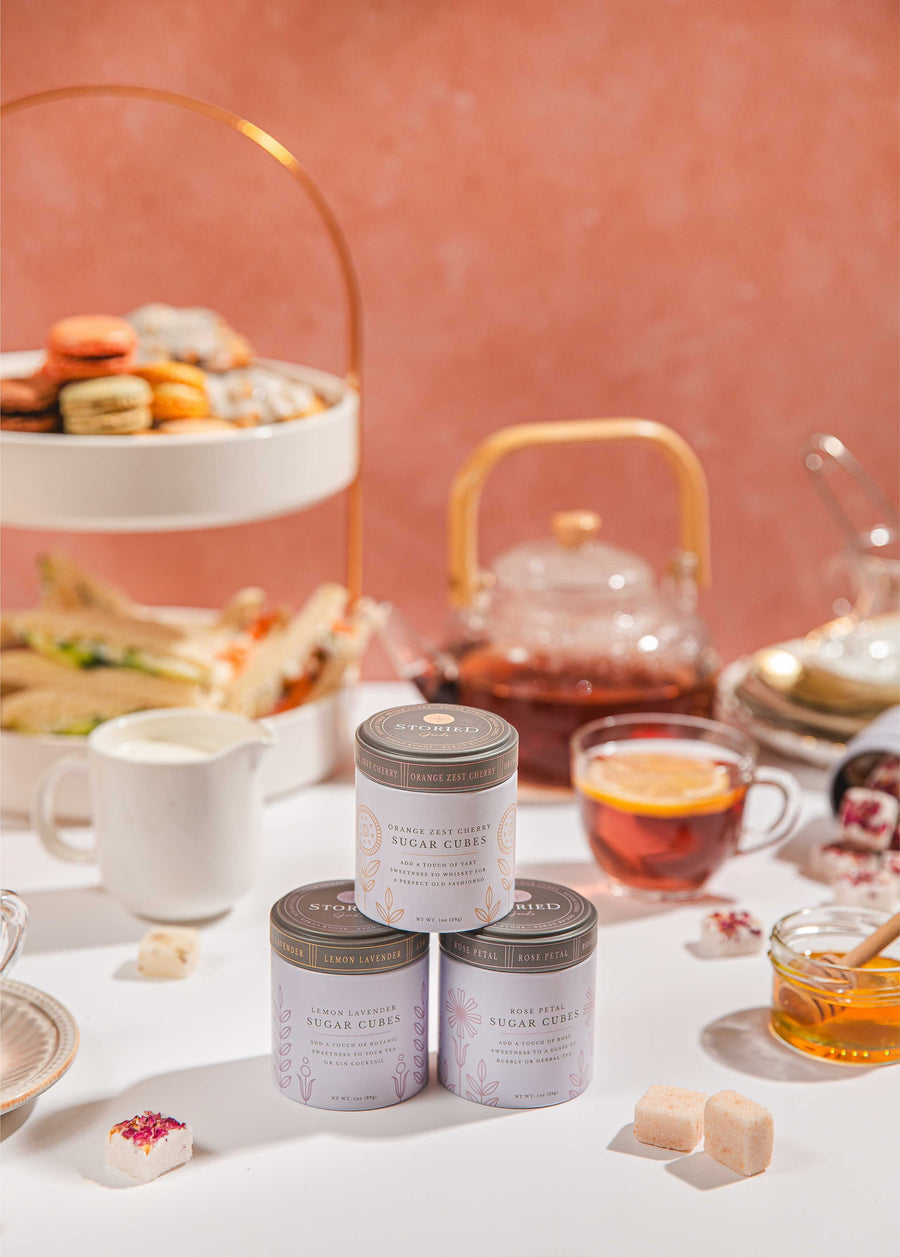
191 334
179 401
109 406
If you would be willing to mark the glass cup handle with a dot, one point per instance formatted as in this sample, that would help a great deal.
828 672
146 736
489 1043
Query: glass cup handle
789 788
43 813
15 918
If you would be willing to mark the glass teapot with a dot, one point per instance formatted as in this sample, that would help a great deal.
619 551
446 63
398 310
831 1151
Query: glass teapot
567 629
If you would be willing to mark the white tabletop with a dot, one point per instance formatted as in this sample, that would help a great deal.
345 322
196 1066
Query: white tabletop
436 1175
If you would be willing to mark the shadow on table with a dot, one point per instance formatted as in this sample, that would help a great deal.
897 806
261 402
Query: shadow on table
232 1107
798 848
701 1171
86 916
585 877
15 1120
743 1041
625 1142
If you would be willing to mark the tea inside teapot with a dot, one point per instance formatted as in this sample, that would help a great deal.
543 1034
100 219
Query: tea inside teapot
547 698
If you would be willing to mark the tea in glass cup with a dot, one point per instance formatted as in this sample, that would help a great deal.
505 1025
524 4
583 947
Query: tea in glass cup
662 800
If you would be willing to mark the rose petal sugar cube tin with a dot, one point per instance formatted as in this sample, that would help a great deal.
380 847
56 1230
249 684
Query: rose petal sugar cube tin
517 1002
435 817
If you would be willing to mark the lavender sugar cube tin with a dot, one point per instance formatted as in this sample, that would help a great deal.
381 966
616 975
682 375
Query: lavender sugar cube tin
349 1003
517 1002
435 817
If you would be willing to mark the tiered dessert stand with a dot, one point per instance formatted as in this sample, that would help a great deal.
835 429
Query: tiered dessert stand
124 484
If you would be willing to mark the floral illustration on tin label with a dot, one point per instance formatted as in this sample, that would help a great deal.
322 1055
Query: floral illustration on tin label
401 1077
580 1080
305 1080
281 1041
388 913
479 1089
463 1019
588 1013
368 844
506 837
492 907
420 1042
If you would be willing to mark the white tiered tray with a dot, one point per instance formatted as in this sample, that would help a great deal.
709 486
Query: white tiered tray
157 483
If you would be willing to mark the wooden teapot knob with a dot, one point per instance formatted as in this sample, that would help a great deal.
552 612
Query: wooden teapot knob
574 528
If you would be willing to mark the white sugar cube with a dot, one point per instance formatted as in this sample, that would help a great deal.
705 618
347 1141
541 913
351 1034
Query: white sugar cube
148 1145
168 951
731 934
868 818
669 1117
832 861
867 890
738 1132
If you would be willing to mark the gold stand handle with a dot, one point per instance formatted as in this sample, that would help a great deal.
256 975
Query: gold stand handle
270 145
465 494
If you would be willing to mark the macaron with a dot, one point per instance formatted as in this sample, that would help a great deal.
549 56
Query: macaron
91 336
28 395
195 427
48 421
179 401
170 372
89 345
110 405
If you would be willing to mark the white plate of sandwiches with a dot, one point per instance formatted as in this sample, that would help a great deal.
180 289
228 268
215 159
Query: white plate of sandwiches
89 653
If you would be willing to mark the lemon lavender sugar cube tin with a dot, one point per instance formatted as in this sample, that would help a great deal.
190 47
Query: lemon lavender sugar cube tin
435 817
349 1003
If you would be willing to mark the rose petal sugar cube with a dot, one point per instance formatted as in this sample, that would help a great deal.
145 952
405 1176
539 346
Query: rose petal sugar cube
867 890
886 776
832 861
731 934
148 1145
669 1117
868 818
738 1133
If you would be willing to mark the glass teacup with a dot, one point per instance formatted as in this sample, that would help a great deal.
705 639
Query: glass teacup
662 800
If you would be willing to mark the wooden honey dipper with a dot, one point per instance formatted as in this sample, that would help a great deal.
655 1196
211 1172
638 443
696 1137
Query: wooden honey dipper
807 1008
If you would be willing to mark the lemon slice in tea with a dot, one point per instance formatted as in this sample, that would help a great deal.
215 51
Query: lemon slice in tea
659 784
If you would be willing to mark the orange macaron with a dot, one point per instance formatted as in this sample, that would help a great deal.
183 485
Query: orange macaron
86 346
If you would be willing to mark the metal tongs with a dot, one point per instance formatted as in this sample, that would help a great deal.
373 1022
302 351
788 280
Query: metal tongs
822 455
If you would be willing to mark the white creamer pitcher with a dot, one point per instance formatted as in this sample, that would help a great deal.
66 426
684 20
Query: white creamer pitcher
176 800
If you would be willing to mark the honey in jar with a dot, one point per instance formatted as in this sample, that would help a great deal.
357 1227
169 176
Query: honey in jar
848 1016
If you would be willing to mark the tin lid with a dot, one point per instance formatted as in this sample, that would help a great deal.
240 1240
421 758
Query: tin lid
550 927
432 746
319 927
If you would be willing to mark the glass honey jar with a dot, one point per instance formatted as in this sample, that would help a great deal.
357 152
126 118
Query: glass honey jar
850 1016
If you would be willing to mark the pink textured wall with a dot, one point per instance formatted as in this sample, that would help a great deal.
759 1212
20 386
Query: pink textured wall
682 209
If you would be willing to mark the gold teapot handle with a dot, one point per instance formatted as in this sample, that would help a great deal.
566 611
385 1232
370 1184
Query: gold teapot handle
465 494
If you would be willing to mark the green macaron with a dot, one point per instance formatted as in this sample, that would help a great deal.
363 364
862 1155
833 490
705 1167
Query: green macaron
105 395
